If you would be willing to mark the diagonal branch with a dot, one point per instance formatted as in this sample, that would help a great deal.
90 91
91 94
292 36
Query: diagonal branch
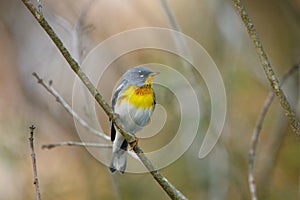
164 183
268 67
256 133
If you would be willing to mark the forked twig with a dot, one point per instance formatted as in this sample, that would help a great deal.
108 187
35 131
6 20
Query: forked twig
256 133
68 108
274 82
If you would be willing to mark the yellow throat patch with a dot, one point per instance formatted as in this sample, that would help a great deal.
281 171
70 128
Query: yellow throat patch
139 96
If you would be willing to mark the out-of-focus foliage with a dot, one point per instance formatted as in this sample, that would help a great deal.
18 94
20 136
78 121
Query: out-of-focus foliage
72 173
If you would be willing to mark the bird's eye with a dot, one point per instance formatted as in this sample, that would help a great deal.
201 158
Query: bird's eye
141 74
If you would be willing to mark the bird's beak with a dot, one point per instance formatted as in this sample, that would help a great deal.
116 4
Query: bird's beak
150 76
153 74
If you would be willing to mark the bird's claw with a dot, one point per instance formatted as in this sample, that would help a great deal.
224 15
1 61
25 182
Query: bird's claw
134 143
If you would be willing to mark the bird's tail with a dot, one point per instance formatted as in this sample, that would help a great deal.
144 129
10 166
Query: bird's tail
119 158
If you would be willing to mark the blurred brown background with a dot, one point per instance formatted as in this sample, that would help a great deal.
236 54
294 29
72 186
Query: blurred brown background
72 173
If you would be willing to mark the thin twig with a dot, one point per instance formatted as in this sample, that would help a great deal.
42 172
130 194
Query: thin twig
35 178
180 44
165 184
68 108
72 143
268 68
80 30
266 171
256 133
169 14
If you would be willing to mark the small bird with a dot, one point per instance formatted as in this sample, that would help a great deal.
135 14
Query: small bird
133 102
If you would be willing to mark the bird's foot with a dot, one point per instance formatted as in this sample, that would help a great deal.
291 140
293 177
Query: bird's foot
134 143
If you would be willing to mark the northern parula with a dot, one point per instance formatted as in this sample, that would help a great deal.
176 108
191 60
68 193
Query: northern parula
133 101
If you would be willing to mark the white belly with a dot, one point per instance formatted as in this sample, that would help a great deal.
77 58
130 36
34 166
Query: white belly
133 119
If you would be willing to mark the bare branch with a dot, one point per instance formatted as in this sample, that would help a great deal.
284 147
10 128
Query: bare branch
72 143
68 108
256 132
268 67
35 180
165 184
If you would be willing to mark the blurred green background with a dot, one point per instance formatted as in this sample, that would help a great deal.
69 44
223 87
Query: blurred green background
73 173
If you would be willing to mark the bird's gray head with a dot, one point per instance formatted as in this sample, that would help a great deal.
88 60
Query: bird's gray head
139 76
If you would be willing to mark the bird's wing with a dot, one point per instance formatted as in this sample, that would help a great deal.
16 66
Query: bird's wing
117 91
154 97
